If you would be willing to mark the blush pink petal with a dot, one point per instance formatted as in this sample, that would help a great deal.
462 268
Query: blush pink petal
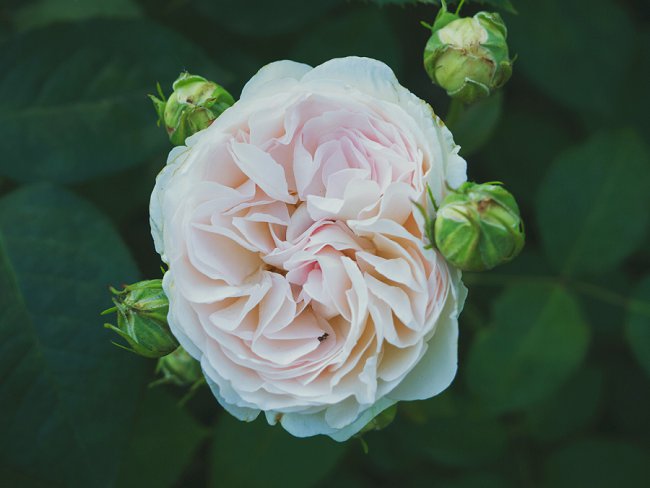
298 274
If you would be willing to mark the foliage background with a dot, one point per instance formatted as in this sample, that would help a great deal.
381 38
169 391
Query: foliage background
553 387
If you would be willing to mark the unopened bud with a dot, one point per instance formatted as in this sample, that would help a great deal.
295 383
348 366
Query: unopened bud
142 319
478 227
179 368
468 57
381 421
194 104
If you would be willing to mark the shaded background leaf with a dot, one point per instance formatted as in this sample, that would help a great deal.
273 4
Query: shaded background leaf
592 205
64 386
258 455
79 87
598 463
637 330
43 12
536 341
562 45
164 439
572 118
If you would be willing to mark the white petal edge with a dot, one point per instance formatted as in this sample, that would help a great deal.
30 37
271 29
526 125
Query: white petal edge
271 72
437 368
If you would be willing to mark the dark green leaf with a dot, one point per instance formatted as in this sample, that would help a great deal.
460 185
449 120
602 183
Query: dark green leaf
634 105
598 463
482 480
45 12
163 442
628 398
525 142
576 53
266 18
505 5
537 339
571 409
360 32
67 396
255 455
476 123
456 433
637 328
78 107
592 205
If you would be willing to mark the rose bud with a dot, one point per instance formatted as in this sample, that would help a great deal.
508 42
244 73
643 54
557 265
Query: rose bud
193 105
381 421
468 57
142 319
479 227
178 368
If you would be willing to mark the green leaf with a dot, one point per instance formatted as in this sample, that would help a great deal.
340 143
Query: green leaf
526 139
570 410
476 123
475 480
633 104
258 455
598 463
627 399
637 327
266 18
537 339
404 2
592 205
505 5
45 12
67 396
454 432
574 52
163 442
78 107
359 31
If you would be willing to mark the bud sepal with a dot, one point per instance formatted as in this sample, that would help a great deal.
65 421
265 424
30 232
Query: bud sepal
478 227
142 319
178 368
468 57
193 105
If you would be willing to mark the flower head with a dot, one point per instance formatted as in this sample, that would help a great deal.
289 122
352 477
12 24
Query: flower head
298 275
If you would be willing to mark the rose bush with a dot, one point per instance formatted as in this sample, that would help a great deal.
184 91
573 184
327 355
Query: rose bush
298 274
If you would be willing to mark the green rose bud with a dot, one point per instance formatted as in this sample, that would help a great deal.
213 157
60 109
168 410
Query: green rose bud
478 227
381 421
192 107
142 319
468 57
179 368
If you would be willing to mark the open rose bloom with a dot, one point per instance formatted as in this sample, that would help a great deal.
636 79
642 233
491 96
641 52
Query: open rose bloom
298 274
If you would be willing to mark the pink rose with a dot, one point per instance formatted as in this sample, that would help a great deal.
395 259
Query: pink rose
297 273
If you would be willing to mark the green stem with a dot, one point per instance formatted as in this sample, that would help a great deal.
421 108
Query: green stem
460 5
456 109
